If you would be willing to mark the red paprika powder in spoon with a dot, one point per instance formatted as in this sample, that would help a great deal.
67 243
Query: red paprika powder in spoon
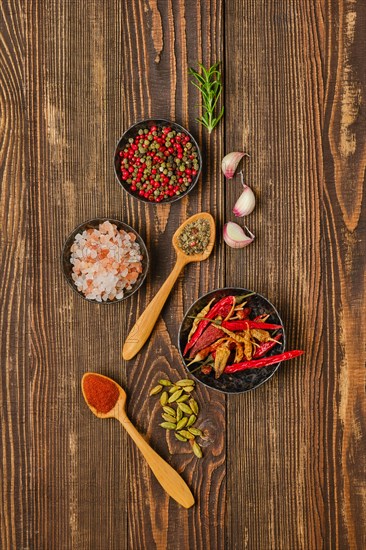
101 393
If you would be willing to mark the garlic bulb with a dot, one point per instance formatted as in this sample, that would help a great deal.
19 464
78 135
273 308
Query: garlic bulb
230 163
235 236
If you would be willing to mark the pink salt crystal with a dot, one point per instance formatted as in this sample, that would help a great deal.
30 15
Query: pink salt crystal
105 262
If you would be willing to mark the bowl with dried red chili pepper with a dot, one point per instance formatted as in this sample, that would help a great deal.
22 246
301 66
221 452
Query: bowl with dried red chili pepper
232 340
157 161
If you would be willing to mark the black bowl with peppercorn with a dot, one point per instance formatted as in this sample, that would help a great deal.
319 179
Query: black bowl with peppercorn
157 161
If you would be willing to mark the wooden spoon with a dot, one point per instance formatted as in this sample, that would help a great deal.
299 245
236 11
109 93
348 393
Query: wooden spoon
168 478
145 324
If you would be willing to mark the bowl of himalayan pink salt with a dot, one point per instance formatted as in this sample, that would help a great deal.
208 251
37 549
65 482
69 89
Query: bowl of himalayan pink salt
104 260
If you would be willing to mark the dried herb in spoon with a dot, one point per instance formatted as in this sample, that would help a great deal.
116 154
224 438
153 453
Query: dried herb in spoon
209 84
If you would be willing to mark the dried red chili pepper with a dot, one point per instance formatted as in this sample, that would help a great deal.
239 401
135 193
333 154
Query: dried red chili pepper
245 324
266 346
264 362
261 318
210 336
223 307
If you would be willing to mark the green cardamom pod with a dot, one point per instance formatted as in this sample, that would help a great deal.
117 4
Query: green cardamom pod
185 408
175 396
186 434
168 426
194 406
188 389
180 437
169 418
174 389
164 398
195 431
179 414
165 382
169 410
191 420
185 382
156 390
182 423
196 449
183 398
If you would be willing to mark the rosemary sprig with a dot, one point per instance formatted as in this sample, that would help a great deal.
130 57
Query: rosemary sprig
209 84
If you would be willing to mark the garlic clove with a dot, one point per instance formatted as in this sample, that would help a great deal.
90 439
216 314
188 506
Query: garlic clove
245 203
235 237
230 163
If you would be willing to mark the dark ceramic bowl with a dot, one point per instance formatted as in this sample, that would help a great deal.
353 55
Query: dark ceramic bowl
92 224
132 133
242 381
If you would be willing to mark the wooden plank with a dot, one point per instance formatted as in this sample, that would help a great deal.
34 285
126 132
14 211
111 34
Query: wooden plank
75 111
295 443
343 264
172 36
14 458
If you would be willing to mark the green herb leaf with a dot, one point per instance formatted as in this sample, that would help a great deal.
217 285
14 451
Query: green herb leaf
208 82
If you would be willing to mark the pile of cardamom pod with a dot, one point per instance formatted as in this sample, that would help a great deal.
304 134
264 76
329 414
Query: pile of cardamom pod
180 410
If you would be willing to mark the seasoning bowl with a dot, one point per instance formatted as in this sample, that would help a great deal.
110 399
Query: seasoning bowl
94 224
239 382
132 132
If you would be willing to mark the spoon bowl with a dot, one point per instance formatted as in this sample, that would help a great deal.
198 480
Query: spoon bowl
120 403
195 257
168 478
143 327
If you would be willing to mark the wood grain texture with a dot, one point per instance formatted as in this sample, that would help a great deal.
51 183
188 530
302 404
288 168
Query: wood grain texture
283 466
293 100
15 467
172 36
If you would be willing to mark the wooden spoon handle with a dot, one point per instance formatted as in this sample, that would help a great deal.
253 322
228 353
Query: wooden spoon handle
168 478
143 327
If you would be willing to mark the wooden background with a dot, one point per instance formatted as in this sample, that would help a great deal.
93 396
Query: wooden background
284 466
